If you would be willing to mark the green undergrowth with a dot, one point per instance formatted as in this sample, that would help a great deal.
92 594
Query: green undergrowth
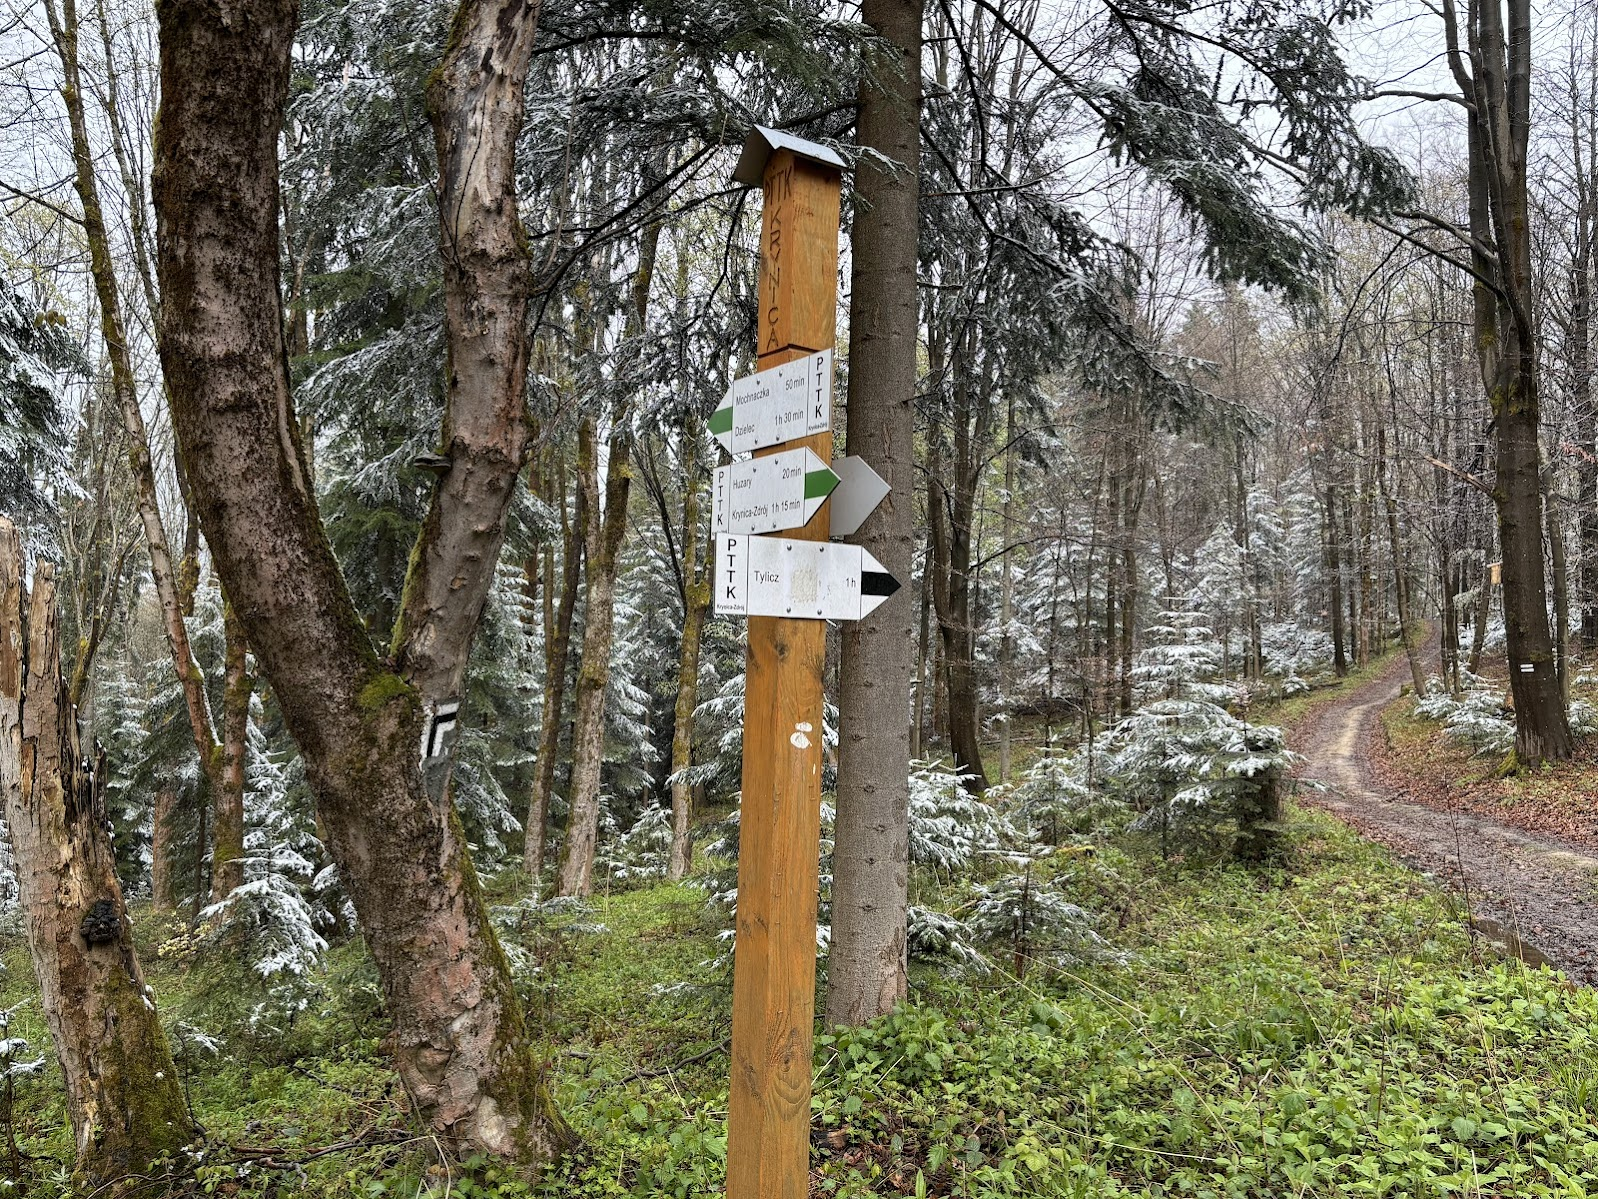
1325 1031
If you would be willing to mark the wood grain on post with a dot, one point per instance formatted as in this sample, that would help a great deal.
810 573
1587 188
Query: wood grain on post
774 974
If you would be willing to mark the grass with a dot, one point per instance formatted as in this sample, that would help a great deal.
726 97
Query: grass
1321 1032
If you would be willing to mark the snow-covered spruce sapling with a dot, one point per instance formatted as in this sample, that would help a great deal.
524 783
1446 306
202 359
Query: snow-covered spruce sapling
8 878
1195 772
949 827
15 1062
1476 717
1053 798
1182 660
1027 915
269 917
639 854
943 940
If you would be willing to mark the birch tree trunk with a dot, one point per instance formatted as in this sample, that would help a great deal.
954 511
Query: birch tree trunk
123 1094
876 663
362 721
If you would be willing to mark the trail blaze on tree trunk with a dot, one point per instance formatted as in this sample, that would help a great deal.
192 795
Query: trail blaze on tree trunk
459 1039
123 1093
866 964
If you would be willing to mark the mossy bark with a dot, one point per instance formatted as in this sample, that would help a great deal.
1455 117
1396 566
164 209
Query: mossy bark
607 526
123 1094
171 595
557 650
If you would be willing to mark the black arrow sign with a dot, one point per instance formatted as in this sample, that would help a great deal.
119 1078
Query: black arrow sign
877 582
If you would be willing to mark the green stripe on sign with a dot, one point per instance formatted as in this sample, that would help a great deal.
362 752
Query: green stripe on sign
721 420
819 483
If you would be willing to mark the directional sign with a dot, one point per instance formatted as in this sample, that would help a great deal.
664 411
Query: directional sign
767 495
809 580
860 490
777 405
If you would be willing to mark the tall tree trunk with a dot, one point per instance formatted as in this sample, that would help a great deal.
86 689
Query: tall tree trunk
696 567
123 1094
557 651
460 1042
1578 341
1007 592
952 599
1497 82
163 888
1586 415
607 529
1560 567
124 386
1334 583
866 966
1483 609
918 722
1406 618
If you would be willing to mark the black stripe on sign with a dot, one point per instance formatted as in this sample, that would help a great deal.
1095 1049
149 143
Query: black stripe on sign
878 582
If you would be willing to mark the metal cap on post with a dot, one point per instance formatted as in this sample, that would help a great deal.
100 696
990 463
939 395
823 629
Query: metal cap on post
763 142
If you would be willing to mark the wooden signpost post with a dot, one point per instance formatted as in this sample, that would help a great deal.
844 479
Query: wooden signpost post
774 972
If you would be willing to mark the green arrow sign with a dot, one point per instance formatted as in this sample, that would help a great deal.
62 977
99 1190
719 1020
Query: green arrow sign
770 494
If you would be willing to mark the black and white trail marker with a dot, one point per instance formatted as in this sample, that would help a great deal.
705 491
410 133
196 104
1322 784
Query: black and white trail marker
438 731
805 580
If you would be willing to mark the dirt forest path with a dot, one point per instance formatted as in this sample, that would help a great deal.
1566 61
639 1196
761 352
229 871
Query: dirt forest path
1535 894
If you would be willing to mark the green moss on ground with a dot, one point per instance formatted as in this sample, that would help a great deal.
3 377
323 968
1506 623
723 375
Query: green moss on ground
1326 1031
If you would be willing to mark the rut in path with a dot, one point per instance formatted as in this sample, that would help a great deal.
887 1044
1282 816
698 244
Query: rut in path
1535 894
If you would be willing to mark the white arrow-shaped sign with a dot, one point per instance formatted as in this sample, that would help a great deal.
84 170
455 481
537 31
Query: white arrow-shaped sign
860 489
777 405
769 494
805 580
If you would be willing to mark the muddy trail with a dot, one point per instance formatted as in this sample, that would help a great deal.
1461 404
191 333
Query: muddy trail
1535 895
